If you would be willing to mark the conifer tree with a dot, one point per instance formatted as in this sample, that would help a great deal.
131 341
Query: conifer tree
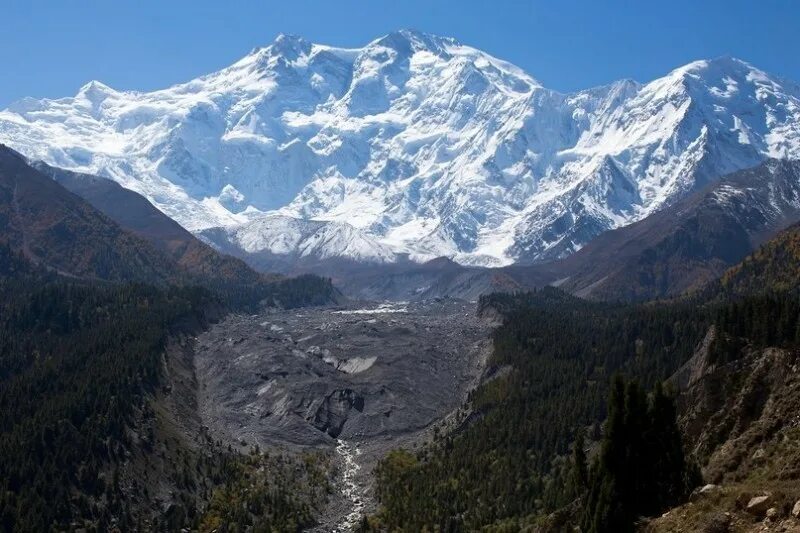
642 469
580 473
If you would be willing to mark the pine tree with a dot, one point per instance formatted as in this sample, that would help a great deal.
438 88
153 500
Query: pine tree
641 469
580 473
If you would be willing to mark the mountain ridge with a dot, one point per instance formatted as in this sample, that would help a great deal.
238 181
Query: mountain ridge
690 243
58 231
135 214
426 146
86 228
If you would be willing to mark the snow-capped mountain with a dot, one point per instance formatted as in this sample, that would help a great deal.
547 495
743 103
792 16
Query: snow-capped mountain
287 236
413 144
691 242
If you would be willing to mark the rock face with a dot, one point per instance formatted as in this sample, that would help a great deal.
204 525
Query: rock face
738 415
335 409
414 144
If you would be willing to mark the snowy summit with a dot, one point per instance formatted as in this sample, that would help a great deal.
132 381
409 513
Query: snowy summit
412 144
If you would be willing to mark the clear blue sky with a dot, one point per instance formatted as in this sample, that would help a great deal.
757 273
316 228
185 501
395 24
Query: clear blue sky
50 48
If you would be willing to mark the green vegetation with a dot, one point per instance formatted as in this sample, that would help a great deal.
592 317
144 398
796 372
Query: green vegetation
641 469
554 357
512 464
762 320
267 493
76 361
80 365
301 291
775 265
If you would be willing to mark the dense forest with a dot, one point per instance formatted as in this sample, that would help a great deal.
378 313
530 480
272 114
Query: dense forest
300 291
553 359
75 363
264 492
508 464
80 365
641 468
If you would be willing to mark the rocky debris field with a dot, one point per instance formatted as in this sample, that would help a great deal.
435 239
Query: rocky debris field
368 377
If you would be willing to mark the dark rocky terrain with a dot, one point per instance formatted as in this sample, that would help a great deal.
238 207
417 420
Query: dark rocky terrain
690 243
137 216
56 230
741 421
360 380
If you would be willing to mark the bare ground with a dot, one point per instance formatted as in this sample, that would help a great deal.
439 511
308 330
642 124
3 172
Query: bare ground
357 380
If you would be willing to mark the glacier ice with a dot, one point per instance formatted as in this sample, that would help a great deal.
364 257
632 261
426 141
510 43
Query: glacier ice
414 144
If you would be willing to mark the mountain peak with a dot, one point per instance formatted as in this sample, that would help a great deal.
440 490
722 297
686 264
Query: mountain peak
95 90
723 77
410 41
286 45
715 67
287 42
425 38
426 146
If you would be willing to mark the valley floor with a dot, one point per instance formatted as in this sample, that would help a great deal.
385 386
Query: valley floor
357 381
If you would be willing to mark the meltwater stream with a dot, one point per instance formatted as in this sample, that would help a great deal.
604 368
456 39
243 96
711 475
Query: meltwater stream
350 488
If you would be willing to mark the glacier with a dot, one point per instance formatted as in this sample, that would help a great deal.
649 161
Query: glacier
414 145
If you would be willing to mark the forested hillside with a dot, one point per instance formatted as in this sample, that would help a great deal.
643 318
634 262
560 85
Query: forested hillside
77 362
57 230
84 438
88 312
775 265
552 363
507 466
120 237
740 395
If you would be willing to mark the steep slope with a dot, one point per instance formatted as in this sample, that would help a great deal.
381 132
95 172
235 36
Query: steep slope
99 422
54 229
690 243
277 242
776 265
135 214
739 414
426 146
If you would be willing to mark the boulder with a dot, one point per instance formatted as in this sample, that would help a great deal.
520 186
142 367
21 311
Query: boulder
703 491
758 505
796 510
772 513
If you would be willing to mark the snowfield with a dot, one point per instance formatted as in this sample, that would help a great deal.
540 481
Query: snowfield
414 144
